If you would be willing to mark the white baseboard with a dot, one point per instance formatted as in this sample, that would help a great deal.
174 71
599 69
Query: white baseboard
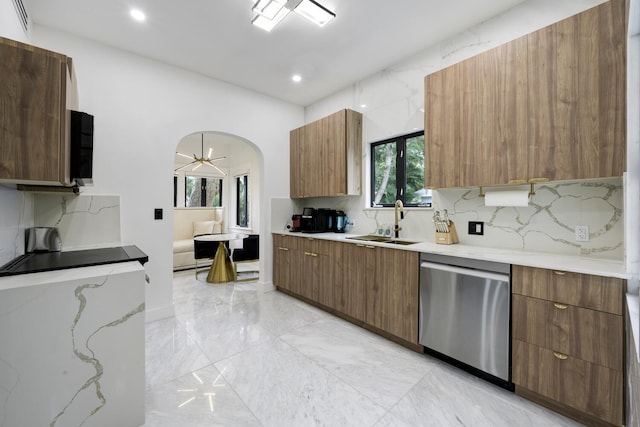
151 315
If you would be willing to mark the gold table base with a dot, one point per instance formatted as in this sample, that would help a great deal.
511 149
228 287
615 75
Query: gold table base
221 270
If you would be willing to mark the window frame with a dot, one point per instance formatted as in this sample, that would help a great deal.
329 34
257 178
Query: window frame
238 178
203 189
401 170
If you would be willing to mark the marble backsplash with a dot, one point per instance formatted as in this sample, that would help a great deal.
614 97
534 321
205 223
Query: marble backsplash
83 221
546 225
16 214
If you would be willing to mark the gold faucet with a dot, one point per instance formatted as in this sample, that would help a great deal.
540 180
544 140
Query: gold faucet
396 227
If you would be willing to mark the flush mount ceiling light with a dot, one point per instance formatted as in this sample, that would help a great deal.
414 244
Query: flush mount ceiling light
271 12
200 161
138 15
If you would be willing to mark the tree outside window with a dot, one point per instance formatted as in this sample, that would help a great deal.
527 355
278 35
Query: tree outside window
242 201
397 170
202 191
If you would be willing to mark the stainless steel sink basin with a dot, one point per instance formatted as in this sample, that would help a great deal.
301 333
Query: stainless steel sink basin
381 239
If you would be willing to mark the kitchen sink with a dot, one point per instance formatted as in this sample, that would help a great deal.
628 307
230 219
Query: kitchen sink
381 239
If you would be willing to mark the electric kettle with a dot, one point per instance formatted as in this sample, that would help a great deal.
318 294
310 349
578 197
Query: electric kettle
341 222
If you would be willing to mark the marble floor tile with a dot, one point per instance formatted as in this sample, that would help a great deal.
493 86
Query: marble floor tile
284 388
446 396
376 367
170 352
272 360
202 398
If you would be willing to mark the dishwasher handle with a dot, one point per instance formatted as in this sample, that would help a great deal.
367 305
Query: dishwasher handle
465 271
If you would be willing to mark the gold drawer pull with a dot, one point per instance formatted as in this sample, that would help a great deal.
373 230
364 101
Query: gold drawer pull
560 356
559 273
283 249
560 306
370 247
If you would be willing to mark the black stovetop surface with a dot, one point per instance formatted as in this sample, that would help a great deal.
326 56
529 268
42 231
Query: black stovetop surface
50 261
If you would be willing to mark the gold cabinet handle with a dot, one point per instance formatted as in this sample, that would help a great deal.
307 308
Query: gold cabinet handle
538 180
360 245
559 273
283 249
517 181
370 247
560 356
560 306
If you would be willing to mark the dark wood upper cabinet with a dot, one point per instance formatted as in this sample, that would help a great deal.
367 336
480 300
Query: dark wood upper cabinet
550 105
37 92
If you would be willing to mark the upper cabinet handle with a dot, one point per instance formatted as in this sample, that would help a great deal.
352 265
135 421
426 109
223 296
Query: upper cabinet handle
559 273
560 306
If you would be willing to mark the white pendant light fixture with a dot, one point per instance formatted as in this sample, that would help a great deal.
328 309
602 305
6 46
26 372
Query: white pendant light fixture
271 12
314 12
201 161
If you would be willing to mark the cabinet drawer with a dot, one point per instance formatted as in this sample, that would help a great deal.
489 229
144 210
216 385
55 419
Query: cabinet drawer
284 241
581 290
590 335
587 387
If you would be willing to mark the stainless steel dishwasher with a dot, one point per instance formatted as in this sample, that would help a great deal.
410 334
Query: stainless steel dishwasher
465 312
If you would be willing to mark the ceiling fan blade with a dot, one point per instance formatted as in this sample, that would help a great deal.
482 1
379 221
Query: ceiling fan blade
197 166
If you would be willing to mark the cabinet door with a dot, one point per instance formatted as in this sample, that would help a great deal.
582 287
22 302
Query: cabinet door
441 128
587 387
331 157
33 119
286 263
357 266
296 168
590 335
392 295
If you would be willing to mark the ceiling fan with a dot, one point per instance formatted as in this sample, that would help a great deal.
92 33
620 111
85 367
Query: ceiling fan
207 161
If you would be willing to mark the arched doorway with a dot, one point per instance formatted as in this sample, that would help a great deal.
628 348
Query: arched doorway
223 171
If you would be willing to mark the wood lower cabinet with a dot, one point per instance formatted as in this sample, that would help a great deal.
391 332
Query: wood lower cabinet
286 263
37 90
325 156
568 342
393 294
373 285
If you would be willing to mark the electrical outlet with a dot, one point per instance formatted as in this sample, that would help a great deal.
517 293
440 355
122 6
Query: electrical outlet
476 227
582 233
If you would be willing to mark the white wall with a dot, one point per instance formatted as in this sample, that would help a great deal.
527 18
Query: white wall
10 26
142 109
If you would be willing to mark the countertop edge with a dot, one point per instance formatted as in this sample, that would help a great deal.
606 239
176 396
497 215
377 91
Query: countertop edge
574 264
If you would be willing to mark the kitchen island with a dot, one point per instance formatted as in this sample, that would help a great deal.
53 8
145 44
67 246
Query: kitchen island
72 348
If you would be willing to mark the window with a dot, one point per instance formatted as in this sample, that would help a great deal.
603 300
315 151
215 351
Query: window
397 171
202 191
242 201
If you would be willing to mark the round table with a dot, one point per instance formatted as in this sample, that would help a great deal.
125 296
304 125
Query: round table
221 270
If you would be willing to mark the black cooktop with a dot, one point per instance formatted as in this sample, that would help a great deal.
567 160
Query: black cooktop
49 261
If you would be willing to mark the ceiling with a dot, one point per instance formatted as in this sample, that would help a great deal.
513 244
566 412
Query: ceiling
216 38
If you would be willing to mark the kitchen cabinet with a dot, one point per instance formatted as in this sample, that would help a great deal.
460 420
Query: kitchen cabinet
37 90
325 156
393 294
358 269
550 105
370 285
286 262
567 348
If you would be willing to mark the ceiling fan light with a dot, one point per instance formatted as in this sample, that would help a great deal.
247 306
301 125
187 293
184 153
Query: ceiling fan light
314 12
196 166
266 24
269 8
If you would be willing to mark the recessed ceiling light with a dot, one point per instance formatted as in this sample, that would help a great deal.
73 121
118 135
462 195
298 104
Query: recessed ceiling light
138 15
296 78
363 105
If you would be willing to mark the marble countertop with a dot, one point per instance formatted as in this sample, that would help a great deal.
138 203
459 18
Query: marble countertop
52 261
575 264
